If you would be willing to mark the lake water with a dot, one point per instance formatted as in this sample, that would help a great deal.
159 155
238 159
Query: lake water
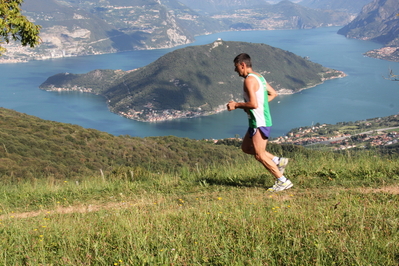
363 94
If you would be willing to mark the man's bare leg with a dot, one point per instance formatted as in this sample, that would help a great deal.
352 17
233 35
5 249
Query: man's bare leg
248 147
257 146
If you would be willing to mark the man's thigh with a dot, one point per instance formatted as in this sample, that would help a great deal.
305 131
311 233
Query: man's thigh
247 145
259 142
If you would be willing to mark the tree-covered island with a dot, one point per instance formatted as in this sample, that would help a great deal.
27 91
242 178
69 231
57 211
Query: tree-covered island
192 81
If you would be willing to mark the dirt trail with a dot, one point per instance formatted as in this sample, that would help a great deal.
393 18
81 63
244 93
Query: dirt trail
81 208
71 209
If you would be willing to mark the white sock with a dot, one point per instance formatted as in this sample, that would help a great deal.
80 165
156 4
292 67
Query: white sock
282 179
276 160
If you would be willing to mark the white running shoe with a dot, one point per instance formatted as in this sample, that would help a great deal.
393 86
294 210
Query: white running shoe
280 186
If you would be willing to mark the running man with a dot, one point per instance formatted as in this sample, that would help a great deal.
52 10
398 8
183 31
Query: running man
257 95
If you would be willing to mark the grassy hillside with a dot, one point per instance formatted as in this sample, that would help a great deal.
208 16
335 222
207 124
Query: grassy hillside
31 148
195 78
170 201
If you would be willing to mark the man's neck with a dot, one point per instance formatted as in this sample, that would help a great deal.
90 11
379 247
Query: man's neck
248 71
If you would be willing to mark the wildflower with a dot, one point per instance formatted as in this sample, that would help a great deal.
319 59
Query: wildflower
219 198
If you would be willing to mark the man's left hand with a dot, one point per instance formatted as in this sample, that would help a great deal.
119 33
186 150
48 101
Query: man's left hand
231 106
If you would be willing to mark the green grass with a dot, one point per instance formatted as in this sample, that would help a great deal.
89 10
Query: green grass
341 211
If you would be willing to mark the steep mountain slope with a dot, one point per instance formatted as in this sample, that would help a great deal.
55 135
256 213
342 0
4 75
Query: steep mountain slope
192 81
73 28
378 21
69 31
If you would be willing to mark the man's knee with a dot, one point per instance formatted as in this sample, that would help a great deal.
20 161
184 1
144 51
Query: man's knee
259 157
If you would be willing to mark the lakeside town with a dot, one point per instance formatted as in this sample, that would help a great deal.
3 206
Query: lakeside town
152 115
360 134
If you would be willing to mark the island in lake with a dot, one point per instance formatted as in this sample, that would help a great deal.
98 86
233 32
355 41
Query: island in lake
192 81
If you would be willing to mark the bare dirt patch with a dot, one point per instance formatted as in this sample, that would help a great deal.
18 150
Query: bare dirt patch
71 209
394 190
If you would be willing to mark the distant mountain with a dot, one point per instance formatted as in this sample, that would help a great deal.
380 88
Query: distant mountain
287 14
192 81
353 7
284 15
87 27
216 6
378 21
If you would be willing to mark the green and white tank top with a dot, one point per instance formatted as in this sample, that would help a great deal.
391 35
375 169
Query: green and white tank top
259 117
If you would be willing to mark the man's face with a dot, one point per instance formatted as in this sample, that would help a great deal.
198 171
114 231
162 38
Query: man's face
239 68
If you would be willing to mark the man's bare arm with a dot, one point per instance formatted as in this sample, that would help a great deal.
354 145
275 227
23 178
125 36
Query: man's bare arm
250 86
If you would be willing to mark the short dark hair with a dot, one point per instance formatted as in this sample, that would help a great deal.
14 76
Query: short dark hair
243 58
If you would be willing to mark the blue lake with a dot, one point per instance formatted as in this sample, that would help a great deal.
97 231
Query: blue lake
363 94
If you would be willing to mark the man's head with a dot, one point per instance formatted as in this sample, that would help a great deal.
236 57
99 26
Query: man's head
242 63
243 58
